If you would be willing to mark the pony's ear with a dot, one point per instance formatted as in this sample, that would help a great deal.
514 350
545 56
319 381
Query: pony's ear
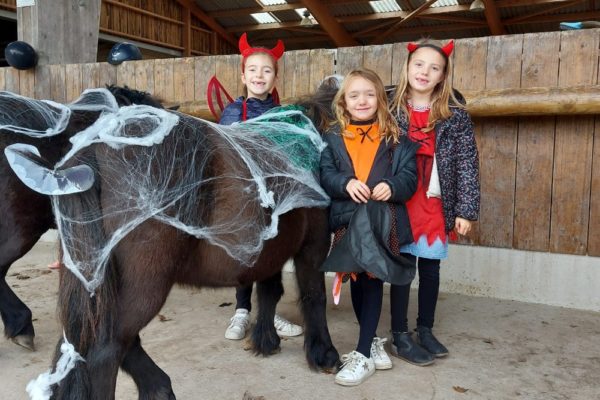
174 108
412 47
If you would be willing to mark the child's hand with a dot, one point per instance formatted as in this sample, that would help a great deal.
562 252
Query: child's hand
358 191
381 192
462 226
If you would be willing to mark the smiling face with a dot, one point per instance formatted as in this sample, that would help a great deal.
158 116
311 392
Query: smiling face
361 99
259 75
426 69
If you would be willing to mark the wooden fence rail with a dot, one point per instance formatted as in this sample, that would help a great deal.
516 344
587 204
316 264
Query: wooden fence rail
540 176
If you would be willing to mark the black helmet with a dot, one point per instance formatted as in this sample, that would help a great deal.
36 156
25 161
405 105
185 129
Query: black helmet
20 55
123 52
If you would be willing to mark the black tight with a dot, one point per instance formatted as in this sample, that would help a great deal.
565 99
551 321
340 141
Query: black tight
429 287
367 296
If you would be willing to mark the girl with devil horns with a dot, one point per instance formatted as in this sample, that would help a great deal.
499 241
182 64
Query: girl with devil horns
432 114
259 75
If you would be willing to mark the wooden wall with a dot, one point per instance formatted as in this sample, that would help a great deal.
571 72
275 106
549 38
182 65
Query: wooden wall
540 176
157 22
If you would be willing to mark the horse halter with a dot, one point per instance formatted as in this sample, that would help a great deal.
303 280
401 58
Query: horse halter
445 50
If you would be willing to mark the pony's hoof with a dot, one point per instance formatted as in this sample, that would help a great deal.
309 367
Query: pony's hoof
24 341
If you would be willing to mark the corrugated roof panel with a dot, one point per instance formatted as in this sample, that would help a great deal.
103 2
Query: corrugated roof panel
383 6
264 18
445 3
272 2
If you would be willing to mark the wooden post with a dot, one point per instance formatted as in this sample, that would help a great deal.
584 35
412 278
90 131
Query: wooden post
60 31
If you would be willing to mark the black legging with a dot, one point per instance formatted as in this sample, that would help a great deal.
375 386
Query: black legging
243 296
429 287
367 296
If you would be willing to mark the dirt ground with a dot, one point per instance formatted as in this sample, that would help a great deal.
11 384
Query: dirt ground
498 349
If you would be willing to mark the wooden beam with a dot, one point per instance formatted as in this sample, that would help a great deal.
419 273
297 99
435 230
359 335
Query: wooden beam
575 100
381 38
493 18
202 16
542 12
329 24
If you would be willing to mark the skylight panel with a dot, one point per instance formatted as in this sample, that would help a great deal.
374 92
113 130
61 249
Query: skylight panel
382 6
264 18
445 3
272 2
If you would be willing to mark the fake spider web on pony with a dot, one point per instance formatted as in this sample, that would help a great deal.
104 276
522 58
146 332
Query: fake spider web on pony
179 170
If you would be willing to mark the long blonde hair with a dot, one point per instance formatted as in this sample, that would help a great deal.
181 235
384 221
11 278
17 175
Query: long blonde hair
388 128
442 97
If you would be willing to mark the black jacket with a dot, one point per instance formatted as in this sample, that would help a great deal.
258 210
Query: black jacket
393 164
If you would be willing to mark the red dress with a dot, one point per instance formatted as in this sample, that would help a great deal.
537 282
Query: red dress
425 214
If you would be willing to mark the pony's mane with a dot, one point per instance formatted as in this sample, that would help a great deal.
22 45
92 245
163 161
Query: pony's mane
317 106
126 96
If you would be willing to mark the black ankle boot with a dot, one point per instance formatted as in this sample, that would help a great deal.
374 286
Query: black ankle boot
430 343
406 348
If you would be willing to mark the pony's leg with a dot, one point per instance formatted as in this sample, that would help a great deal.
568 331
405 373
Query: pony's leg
15 314
152 382
265 340
320 352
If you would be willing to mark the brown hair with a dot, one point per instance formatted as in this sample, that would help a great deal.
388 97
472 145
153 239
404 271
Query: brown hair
442 95
387 125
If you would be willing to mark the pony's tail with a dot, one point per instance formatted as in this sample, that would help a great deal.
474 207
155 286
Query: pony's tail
88 320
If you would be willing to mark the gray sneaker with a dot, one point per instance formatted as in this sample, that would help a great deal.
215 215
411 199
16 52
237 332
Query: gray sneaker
239 324
286 328
378 354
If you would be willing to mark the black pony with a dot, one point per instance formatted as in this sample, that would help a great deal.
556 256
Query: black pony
151 258
26 215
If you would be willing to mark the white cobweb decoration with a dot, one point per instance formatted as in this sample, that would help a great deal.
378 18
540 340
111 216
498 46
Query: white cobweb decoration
224 184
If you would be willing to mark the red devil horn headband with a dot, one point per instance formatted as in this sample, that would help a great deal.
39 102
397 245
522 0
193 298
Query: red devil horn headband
446 50
246 50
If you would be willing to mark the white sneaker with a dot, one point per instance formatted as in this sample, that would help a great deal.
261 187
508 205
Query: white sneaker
286 328
239 324
355 369
378 354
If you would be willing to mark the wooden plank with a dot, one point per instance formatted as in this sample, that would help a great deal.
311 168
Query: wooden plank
594 230
183 76
535 148
470 70
144 76
43 81
90 76
204 69
27 82
2 79
573 149
297 70
107 74
228 71
399 55
163 79
470 67
322 64
11 80
58 88
126 74
379 59
498 147
73 81
348 59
